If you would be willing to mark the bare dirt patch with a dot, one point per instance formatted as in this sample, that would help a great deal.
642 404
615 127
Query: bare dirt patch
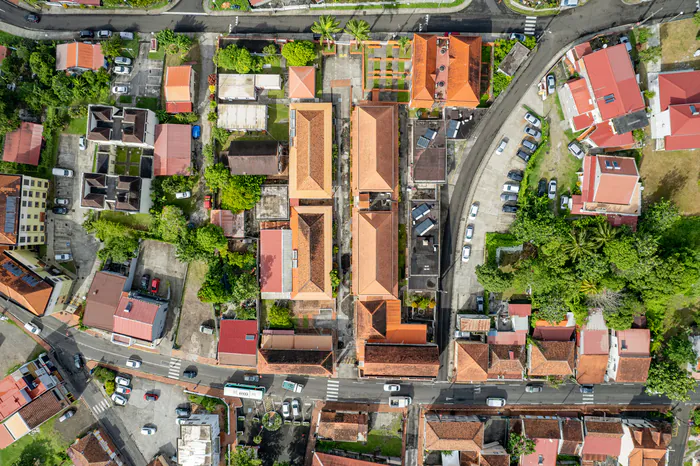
16 347
195 313
678 45
672 175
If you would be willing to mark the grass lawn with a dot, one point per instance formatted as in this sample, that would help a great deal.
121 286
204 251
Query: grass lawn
671 175
42 448
150 103
121 154
135 221
319 81
278 121
276 94
159 55
678 45
125 99
69 266
131 47
134 170
275 65
77 126
404 97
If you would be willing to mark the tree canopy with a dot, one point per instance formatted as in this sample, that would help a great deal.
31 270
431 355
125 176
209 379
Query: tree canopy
299 53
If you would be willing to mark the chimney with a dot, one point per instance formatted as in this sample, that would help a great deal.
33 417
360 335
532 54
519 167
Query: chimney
694 110
511 355
128 307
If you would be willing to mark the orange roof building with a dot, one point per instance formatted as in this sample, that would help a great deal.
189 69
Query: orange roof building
24 144
284 352
406 361
375 148
551 358
324 459
96 448
79 56
446 71
471 361
312 261
302 82
23 286
649 445
179 82
374 254
172 152
310 151
343 427
441 435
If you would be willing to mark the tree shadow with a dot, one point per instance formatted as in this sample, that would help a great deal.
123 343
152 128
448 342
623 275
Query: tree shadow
271 446
297 448
669 186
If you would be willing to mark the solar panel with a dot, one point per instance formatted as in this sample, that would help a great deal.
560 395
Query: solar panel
430 133
31 280
10 214
12 268
609 98
423 142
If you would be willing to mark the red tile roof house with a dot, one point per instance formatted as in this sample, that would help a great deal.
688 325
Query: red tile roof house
593 344
606 98
139 320
96 448
24 144
610 186
561 331
179 89
275 264
102 300
172 152
547 434
479 362
77 57
645 443
342 426
551 359
238 342
602 439
512 327
232 224
287 352
676 118
629 355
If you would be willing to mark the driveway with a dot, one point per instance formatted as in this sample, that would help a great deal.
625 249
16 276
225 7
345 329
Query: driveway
195 313
146 74
15 346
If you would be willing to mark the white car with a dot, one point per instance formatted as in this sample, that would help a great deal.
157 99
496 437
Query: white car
61 201
148 430
295 408
104 34
495 402
56 171
118 399
469 234
122 61
535 133
185 195
122 69
122 390
551 87
466 252
119 89
564 203
392 387
285 409
133 363
473 210
552 193
127 35
66 415
575 150
511 188
121 380
63 257
533 120
502 146
82 143
31 328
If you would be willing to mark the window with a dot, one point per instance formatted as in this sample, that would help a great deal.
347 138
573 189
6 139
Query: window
31 194
43 205
42 239
44 195
36 204
35 228
21 228
26 182
46 184
22 215
36 216
36 239
32 182
24 203
21 239
41 228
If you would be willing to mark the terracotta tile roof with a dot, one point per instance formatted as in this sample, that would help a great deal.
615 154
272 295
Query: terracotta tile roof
520 310
253 158
542 428
177 83
507 338
324 459
472 361
310 151
4 52
312 239
685 127
604 137
507 362
401 361
137 321
448 435
375 155
172 152
553 333
374 255
480 324
572 436
591 368
178 107
582 98
302 82
102 300
42 409
232 224
79 55
301 362
10 198
495 460
94 449
635 341
679 87
583 121
6 439
614 186
464 72
272 261
545 453
23 286
381 321
594 341
24 144
423 70
551 358
238 342
633 369
603 427
14 393
343 427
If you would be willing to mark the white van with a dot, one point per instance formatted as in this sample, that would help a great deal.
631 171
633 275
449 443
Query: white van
62 172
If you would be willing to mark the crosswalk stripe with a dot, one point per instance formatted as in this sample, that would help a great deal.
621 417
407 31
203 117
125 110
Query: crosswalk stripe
333 382
332 390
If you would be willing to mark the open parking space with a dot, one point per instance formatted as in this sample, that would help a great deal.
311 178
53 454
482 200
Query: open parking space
195 313
146 74
15 346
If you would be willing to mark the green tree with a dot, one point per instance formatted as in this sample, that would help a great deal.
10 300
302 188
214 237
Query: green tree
172 43
37 453
242 192
243 457
178 183
113 46
234 58
43 65
493 279
404 43
578 245
335 281
679 350
604 233
650 54
665 378
217 176
696 19
211 239
120 241
270 49
359 29
552 309
659 217
109 387
172 224
279 317
519 445
326 26
244 287
299 53
621 316
622 254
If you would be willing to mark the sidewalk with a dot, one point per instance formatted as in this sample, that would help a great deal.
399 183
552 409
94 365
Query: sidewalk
57 10
317 10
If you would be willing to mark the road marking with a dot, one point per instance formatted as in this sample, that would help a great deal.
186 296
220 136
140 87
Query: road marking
100 407
530 23
332 389
174 368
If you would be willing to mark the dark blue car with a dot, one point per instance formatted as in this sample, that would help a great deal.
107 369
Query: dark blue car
196 131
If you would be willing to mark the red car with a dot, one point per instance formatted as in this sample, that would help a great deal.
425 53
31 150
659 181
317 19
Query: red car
150 397
155 284
207 202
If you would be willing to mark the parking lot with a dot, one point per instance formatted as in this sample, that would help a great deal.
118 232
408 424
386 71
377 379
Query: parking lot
15 346
145 77
160 414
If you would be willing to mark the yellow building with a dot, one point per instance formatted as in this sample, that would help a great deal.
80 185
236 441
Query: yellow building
22 210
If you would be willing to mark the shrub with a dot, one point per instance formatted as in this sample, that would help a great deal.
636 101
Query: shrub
104 375
299 53
109 387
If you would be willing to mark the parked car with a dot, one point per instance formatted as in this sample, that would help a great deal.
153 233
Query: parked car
67 415
502 146
529 145
511 188
196 131
469 234
564 202
533 120
155 285
127 35
517 36
104 34
145 280
122 380
120 89
207 201
625 40
551 84
122 61
77 361
118 399
183 412
31 328
148 430
190 374
575 150
133 363
400 401
586 389
523 155
392 387
542 187
533 388
56 171
60 210
473 210
206 329
285 409
530 131
33 18
82 142
87 34
122 390
552 192
295 408
495 402
255 378
510 209
61 201
185 195
150 397
466 252
122 69
507 197
63 257
480 303
515 175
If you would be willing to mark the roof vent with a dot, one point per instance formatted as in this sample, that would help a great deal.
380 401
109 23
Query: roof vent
443 51
540 459
442 67
511 355
441 83
607 164
250 337
694 110
128 307
616 165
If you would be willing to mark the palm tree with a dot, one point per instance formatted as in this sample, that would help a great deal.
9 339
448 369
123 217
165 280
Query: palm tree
359 29
588 287
604 233
326 25
404 43
579 245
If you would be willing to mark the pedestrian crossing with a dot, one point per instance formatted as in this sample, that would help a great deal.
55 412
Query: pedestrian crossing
100 407
174 368
530 22
332 388
588 398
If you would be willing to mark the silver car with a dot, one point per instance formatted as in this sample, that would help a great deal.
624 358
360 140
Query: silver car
529 145
551 87
533 120
532 132
508 197
511 188
120 89
122 61
575 150
552 192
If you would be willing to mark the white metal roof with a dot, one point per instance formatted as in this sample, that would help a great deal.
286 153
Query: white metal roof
241 117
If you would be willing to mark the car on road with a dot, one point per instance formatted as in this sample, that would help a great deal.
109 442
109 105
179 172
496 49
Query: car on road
103 34
510 209
529 145
502 146
56 171
469 234
552 192
155 285
542 187
515 175
533 388
61 201
148 430
190 374
564 204
625 40
31 328
127 35
517 36
511 188
196 131
207 330
523 155
575 150
82 142
150 397
33 18
63 257
495 402
60 210
133 363
120 89
122 380
392 387
480 303
122 390
118 399
145 280
122 69
400 401
185 195
295 408
122 61
586 389
207 201
255 378
87 34
466 252
508 197
551 84
183 412
285 409
533 120
67 415
473 210
77 361
530 131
